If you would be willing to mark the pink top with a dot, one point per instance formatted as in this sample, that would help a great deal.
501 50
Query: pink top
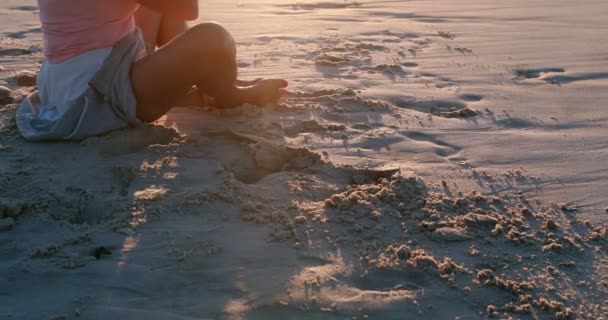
73 27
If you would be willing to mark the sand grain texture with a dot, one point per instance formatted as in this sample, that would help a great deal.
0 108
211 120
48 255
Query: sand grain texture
432 160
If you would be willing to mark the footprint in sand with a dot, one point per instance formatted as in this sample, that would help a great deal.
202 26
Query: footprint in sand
23 34
391 34
311 126
132 140
250 158
442 149
448 84
431 20
536 73
446 34
566 79
440 108
470 97
13 52
320 5
395 15
25 8
556 76
391 71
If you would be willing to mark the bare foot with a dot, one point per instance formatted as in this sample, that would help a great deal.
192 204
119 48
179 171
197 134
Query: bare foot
198 98
259 92
264 91
247 83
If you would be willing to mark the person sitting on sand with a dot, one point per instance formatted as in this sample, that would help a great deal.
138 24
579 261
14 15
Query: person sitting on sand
110 64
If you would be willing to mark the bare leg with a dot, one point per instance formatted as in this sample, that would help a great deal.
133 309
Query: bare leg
205 56
169 28
157 31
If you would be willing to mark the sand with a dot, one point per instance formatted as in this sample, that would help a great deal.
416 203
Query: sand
432 160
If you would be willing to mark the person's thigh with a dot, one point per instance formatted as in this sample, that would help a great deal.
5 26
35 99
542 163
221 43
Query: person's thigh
162 78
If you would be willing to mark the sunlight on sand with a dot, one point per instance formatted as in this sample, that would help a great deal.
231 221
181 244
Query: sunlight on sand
236 308
130 243
322 285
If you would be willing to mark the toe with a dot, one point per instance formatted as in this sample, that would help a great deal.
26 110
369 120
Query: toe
247 83
282 83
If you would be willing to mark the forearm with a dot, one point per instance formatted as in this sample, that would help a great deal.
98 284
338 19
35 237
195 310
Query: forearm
179 9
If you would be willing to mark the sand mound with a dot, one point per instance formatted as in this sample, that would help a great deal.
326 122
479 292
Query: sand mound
500 243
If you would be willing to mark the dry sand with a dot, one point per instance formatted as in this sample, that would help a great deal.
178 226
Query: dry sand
434 160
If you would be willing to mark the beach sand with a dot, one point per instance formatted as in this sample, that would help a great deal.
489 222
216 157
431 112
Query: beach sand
433 160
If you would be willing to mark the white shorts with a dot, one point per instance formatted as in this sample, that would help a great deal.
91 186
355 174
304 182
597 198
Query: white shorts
84 108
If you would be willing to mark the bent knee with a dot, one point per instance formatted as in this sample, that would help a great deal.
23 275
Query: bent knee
215 37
